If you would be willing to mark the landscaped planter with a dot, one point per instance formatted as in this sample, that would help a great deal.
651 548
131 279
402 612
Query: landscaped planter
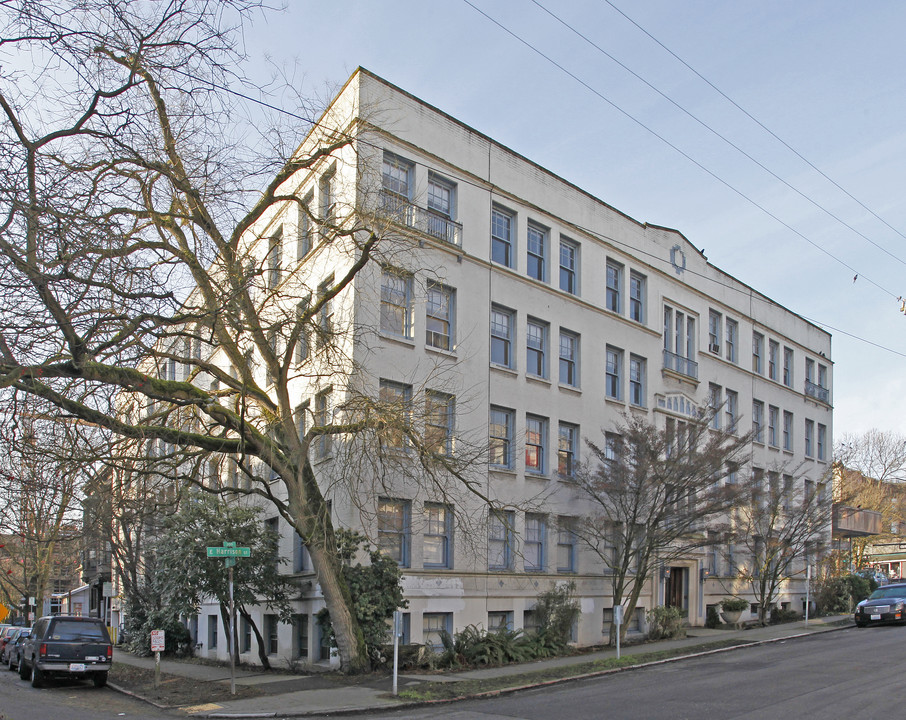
731 617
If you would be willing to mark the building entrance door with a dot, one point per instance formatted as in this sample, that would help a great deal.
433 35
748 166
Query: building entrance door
677 590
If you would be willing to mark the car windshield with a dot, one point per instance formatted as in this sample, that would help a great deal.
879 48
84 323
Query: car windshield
69 631
889 591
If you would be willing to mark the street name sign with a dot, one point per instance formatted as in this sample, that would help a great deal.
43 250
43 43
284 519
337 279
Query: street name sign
226 552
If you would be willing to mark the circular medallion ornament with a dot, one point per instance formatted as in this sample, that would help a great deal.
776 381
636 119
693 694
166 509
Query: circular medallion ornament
678 259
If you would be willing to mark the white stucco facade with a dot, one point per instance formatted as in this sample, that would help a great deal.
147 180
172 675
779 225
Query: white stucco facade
542 316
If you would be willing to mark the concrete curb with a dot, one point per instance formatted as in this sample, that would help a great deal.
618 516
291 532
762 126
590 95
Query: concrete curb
405 705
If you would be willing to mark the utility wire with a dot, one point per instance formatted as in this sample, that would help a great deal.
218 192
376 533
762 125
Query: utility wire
759 123
686 155
588 231
718 134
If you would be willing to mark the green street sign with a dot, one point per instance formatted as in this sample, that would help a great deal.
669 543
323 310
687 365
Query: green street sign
229 552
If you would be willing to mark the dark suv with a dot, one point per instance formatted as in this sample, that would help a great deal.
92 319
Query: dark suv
64 646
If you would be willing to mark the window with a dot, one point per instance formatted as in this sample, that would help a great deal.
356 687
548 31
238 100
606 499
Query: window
300 636
614 300
212 632
301 560
533 552
612 444
773 360
569 358
439 422
536 335
441 303
809 371
569 266
637 283
679 342
325 316
396 176
614 376
303 347
566 544
441 207
396 303
275 259
433 627
437 540
822 442
637 380
567 449
788 367
714 323
502 324
328 200
272 530
502 223
732 340
535 443
758 420
500 540
758 353
500 621
715 400
270 634
323 445
501 434
822 376
536 245
304 239
393 529
732 410
809 437
787 430
773 426
397 399
245 635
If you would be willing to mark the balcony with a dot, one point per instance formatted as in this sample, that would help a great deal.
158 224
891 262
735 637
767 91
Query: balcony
821 394
680 365
425 220
854 522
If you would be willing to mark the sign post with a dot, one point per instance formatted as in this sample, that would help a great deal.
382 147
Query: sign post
229 552
397 631
618 620
158 643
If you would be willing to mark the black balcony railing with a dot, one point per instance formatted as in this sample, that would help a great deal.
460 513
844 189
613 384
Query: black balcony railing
681 365
427 221
817 392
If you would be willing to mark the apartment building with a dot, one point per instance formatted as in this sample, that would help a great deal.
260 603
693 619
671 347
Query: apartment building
525 315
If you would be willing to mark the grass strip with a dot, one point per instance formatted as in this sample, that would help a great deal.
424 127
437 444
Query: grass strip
429 691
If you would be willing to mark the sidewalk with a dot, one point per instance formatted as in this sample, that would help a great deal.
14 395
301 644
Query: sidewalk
298 696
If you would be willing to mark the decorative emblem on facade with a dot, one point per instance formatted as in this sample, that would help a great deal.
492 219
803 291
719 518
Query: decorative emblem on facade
678 259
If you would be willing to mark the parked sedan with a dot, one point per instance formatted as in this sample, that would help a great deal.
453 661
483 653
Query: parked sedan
6 634
14 649
887 604
7 640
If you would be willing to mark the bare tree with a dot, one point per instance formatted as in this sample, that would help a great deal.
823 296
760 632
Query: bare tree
41 520
780 531
157 272
871 475
653 495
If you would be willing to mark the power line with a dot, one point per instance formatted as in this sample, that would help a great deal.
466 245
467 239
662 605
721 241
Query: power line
695 162
759 123
585 230
717 134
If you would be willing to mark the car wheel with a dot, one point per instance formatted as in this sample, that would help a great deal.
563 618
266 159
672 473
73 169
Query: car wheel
37 677
23 669
861 624
100 679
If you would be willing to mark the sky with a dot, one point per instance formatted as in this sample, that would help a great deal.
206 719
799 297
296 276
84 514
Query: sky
807 208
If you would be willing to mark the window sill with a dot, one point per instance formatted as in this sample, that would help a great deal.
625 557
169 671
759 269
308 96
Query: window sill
398 339
441 351
615 401
531 475
504 369
502 470
538 379
570 388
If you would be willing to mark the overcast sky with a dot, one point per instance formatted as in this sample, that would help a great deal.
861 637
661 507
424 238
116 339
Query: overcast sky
826 77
